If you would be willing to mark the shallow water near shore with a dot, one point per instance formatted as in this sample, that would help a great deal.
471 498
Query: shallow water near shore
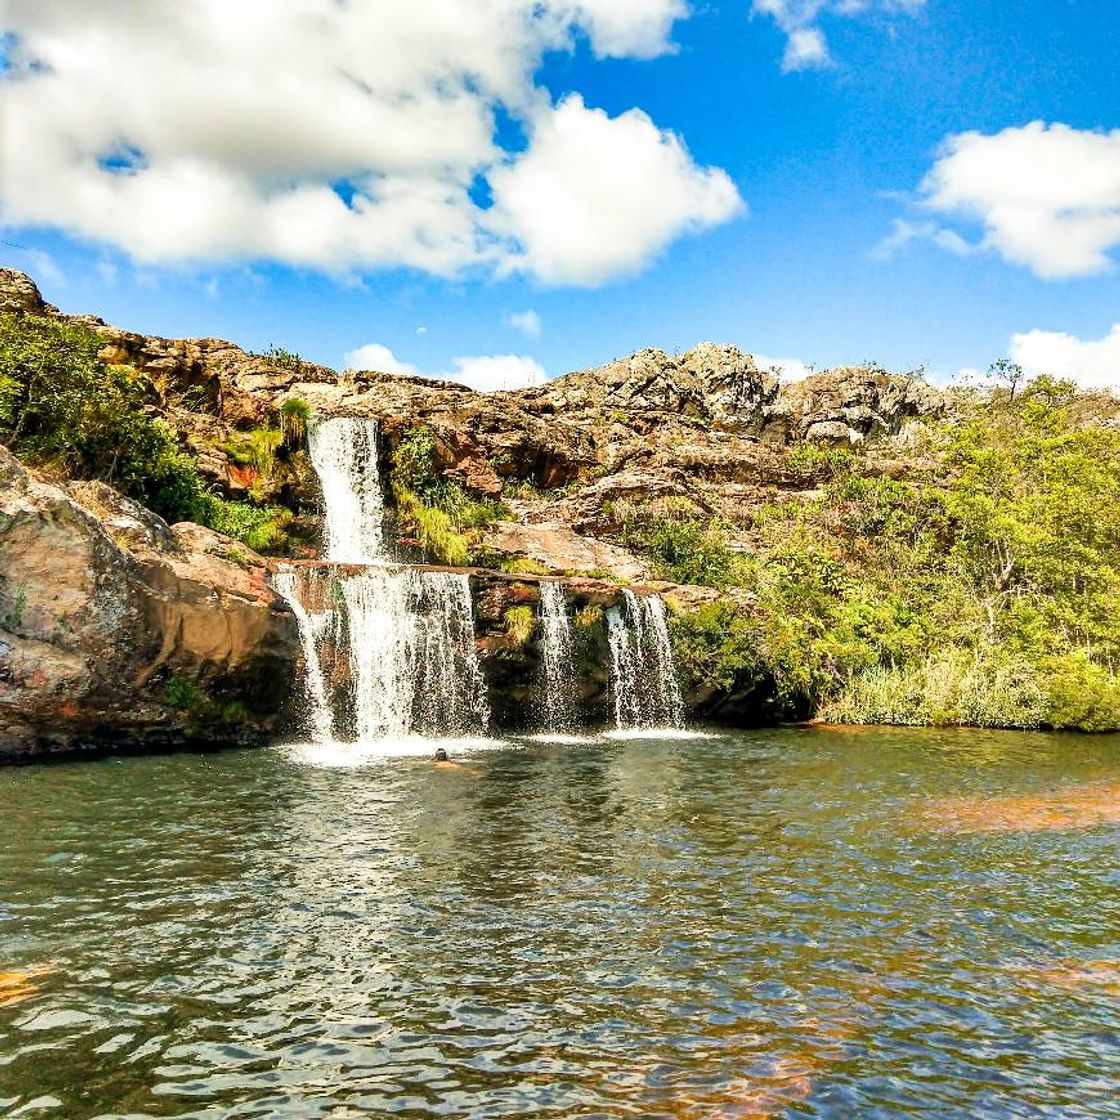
802 922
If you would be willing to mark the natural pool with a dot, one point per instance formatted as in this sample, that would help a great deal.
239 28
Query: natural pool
790 922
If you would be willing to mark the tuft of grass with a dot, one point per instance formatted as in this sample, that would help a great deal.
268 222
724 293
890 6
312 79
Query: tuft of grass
295 419
589 616
519 624
183 695
524 566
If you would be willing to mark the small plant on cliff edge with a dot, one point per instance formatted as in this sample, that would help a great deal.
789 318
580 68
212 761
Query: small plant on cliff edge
256 449
181 694
295 417
589 616
285 359
519 625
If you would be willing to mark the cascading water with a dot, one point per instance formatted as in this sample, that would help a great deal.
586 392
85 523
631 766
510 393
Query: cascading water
643 680
287 582
559 682
405 638
344 452
413 661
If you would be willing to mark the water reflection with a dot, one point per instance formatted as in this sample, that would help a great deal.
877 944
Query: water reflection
744 925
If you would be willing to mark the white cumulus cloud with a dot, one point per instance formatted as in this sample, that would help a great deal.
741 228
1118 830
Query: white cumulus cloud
1093 363
497 371
806 45
339 136
527 322
374 356
596 196
1047 196
789 369
484 372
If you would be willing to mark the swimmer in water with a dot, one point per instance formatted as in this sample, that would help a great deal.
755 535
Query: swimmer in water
444 762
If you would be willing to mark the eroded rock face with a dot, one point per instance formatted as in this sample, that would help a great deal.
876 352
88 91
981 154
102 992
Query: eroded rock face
103 606
116 629
854 404
557 548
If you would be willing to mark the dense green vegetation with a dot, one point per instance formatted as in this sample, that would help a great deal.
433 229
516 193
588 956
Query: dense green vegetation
64 409
445 520
985 593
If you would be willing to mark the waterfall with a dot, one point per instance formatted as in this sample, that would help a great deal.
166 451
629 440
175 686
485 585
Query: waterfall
413 661
556 627
311 628
643 680
404 640
448 677
344 453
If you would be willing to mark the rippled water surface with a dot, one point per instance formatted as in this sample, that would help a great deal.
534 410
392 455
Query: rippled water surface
757 924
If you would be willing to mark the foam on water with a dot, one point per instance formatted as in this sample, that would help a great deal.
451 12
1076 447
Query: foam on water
625 734
343 756
561 739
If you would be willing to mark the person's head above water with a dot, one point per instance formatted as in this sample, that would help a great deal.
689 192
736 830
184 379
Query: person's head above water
441 754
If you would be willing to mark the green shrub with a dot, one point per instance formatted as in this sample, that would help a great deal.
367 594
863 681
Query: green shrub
519 624
1081 695
716 648
685 549
262 528
256 449
295 419
61 405
954 688
809 460
182 694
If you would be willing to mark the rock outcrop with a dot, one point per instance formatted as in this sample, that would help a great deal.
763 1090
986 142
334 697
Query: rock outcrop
118 630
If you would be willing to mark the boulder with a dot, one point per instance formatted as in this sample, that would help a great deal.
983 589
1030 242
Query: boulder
118 630
556 547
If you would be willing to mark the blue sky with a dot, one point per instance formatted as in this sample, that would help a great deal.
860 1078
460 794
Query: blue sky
833 250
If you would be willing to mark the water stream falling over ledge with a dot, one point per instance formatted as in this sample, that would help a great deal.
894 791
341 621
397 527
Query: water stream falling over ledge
557 659
388 652
643 681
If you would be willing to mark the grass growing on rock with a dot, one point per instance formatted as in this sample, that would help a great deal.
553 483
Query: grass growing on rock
985 592
445 519
64 409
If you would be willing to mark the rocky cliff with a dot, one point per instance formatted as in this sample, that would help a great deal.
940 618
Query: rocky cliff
117 628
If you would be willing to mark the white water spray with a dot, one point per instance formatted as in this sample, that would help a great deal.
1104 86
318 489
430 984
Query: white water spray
288 583
407 637
344 452
559 680
643 680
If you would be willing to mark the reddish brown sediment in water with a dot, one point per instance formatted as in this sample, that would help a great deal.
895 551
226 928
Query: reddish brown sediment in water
780 1079
1093 977
18 986
1079 806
